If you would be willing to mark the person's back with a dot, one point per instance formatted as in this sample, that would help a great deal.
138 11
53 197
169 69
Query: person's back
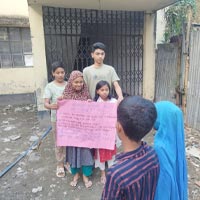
135 174
169 145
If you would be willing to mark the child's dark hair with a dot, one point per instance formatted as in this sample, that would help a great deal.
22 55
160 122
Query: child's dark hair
137 116
55 65
99 85
98 45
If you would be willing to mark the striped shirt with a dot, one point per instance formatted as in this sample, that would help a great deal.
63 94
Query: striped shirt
134 176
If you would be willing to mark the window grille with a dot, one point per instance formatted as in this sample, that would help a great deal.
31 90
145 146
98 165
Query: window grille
15 47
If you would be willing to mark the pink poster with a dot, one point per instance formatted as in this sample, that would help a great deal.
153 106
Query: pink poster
86 124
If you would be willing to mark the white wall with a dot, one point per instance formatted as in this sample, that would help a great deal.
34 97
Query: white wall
149 57
14 7
160 26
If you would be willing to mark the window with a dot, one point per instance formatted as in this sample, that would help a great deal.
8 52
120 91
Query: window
15 47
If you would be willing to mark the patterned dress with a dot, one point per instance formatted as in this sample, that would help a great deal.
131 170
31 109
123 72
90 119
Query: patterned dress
78 157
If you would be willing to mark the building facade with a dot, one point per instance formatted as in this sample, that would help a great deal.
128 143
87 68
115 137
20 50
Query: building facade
16 57
127 28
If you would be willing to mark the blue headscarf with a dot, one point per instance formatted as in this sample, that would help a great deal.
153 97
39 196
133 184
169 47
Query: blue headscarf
170 146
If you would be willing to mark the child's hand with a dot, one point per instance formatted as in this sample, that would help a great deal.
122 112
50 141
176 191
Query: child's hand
53 106
120 99
89 100
60 98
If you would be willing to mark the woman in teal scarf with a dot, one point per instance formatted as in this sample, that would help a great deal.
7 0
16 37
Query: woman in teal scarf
170 146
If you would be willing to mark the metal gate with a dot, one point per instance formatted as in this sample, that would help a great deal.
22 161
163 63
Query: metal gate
69 34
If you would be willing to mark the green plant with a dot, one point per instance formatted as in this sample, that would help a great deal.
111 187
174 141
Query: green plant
176 16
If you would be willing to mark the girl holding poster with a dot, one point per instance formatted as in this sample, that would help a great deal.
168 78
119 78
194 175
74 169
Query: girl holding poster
103 94
79 158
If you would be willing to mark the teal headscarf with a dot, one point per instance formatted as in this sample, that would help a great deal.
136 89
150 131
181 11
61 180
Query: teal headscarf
170 146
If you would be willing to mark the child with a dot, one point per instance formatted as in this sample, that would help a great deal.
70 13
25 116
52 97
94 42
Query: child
100 71
169 144
135 174
53 91
79 158
103 94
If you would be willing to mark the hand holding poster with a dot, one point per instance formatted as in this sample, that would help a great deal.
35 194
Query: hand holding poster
86 124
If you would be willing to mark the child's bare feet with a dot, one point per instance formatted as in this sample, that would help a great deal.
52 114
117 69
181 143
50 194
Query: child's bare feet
68 168
75 180
103 177
103 180
87 182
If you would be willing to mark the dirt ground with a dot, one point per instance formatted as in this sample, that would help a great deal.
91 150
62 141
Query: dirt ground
33 177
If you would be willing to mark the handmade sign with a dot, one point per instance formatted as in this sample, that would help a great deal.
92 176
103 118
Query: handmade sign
86 124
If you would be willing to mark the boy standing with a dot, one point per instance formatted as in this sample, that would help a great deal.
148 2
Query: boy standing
135 174
99 71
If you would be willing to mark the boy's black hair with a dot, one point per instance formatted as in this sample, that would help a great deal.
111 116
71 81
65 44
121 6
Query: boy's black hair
98 86
137 116
98 45
55 65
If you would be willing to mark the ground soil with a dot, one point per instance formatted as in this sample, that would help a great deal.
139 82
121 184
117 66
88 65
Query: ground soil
33 177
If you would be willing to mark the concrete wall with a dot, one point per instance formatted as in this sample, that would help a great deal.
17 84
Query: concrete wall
149 57
197 15
160 26
39 55
15 80
14 8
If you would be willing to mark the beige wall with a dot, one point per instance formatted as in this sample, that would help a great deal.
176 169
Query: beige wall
39 55
14 7
33 79
17 81
149 57
130 5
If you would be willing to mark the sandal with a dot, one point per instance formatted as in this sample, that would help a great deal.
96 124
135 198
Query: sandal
75 181
60 172
88 184
103 180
